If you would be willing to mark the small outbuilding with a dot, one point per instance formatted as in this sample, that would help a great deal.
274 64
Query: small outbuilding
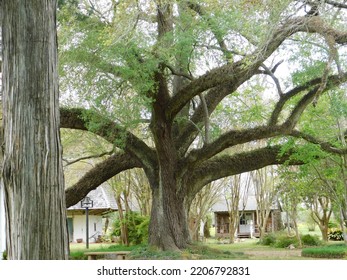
103 203
248 226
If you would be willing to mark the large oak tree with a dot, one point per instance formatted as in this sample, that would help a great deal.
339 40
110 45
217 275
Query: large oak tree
156 55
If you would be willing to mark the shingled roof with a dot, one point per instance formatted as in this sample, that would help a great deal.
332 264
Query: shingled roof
103 202
251 205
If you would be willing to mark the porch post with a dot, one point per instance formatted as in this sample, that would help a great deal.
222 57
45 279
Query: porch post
252 226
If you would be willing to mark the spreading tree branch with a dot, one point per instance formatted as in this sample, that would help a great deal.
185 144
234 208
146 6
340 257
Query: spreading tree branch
99 174
240 71
232 138
325 146
228 165
88 120
192 128
270 72
70 162
312 87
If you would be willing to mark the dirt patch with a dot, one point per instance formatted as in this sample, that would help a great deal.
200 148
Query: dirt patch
274 254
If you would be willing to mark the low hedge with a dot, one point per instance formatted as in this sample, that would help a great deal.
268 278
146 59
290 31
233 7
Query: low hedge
326 252
282 240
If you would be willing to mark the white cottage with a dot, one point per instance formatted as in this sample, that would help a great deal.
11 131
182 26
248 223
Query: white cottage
103 203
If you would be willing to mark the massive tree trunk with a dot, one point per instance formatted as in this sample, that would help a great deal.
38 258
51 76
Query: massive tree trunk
32 172
168 227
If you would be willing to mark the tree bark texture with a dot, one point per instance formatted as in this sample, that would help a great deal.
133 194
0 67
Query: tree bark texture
169 227
32 172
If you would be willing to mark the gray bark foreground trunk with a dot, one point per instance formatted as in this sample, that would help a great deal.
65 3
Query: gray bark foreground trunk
32 172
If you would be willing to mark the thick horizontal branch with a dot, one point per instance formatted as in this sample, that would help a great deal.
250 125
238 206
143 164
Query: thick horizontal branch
232 138
98 175
228 165
88 120
235 137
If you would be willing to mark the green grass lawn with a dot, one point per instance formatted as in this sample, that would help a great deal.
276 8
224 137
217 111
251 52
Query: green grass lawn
247 249
253 250
77 249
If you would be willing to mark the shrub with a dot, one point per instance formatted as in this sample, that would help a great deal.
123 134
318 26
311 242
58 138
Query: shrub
77 255
137 227
335 234
142 230
310 240
283 241
279 240
328 252
268 240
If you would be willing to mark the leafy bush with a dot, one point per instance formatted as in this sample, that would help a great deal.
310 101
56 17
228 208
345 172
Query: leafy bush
137 227
77 255
328 252
310 240
4 255
278 240
142 230
283 241
268 240
335 234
